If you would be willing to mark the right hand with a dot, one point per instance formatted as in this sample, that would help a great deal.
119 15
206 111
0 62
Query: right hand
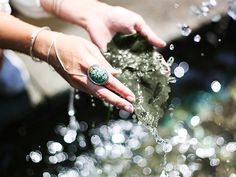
77 55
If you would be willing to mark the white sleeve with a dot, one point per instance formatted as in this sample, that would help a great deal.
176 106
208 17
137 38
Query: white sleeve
30 8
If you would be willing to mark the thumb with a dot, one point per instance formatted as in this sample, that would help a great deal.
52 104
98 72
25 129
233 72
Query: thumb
101 39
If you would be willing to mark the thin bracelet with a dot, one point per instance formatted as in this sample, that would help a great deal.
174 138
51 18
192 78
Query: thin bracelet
60 61
49 51
33 39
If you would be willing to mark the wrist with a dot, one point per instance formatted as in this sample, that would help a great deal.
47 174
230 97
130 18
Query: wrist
42 44
75 11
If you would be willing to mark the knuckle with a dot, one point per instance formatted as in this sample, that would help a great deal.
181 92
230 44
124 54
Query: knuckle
119 103
139 18
119 8
100 93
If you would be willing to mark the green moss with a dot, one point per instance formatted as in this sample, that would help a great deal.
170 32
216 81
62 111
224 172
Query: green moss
141 72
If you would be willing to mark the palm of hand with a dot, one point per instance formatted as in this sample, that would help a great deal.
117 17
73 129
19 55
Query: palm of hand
112 20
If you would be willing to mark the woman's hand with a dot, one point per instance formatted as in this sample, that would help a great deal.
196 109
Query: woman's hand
102 21
77 55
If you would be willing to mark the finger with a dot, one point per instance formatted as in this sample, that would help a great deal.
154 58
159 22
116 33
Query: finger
116 86
146 31
107 65
103 94
110 97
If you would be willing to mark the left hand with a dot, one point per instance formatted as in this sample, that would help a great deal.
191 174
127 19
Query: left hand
102 21
105 21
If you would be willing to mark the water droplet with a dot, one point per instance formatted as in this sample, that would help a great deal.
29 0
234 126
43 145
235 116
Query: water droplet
71 109
147 171
209 3
164 174
185 29
231 147
216 18
172 47
179 72
176 5
184 65
77 97
70 136
167 147
172 80
118 138
232 175
170 61
35 156
204 8
232 9
197 38
214 162
215 86
71 112
54 147
46 174
195 120
124 114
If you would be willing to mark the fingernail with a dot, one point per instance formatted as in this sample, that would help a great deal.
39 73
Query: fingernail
130 99
114 71
129 108
163 43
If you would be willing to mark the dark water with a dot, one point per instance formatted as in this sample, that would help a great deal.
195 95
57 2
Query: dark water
211 59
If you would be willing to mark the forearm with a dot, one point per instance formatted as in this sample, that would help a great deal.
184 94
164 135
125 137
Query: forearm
16 35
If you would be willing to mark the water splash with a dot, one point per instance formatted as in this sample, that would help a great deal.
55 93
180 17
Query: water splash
145 71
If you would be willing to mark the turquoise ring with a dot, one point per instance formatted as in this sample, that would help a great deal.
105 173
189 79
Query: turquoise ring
97 75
